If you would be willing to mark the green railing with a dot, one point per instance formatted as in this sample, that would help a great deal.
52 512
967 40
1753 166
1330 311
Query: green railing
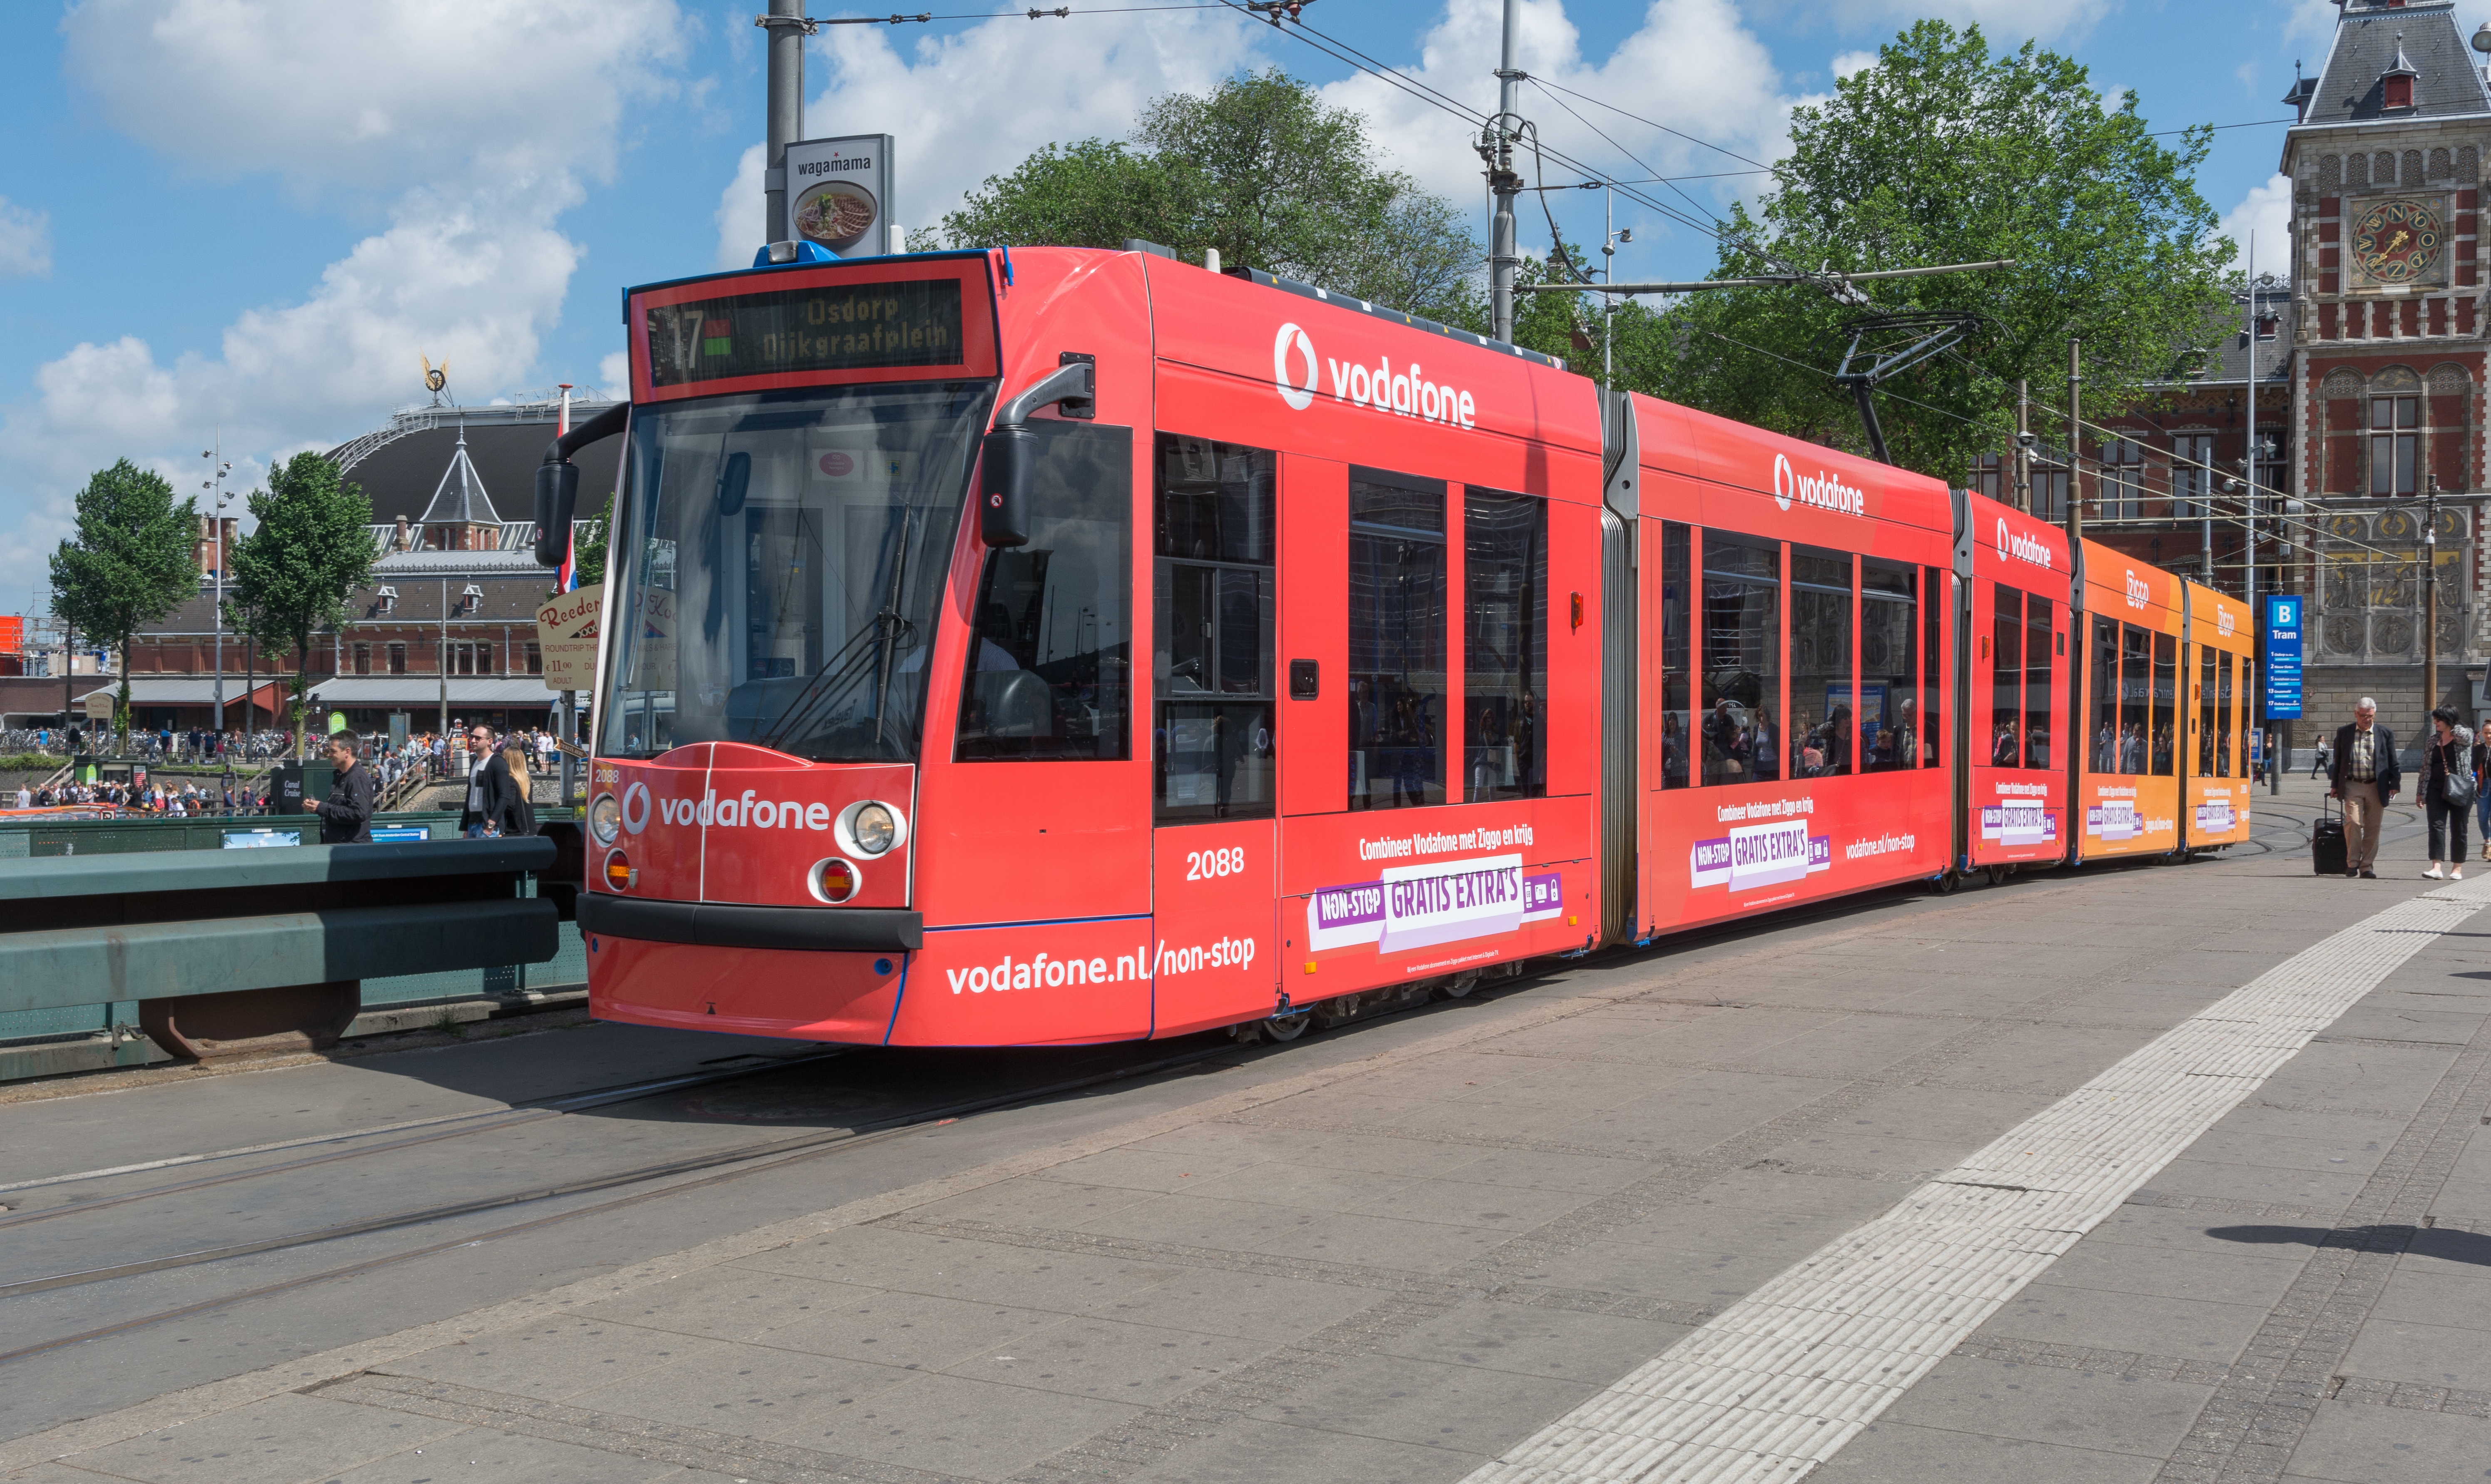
39 837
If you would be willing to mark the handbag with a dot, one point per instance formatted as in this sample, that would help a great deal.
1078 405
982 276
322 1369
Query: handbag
2455 786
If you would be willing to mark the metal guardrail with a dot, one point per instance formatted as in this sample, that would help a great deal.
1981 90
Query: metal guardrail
118 925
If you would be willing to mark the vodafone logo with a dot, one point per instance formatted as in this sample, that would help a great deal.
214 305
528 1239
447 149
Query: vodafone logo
1404 391
1299 395
1825 491
635 808
2137 591
2012 546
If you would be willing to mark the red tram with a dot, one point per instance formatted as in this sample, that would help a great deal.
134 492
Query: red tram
1065 646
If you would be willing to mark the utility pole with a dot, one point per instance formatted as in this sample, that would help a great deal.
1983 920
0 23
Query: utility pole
785 122
2075 441
2024 446
2429 606
444 666
1496 147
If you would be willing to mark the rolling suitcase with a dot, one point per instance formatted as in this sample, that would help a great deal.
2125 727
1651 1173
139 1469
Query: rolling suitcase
2326 844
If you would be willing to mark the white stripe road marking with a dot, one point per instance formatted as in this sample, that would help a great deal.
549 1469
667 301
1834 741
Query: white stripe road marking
1774 1384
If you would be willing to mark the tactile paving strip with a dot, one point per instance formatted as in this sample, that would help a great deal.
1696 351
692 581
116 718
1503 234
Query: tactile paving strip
1773 1384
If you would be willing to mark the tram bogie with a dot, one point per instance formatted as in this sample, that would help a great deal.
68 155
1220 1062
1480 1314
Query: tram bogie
1312 660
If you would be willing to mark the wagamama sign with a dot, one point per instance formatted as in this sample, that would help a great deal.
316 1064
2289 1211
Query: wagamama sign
1297 374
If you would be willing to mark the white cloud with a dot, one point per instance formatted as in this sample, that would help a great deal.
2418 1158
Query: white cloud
614 376
976 102
741 230
2266 211
1692 66
1852 62
25 242
474 121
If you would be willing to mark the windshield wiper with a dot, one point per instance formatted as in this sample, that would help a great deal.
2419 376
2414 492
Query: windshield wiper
888 624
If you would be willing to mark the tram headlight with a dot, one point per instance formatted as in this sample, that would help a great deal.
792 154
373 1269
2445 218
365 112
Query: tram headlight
872 827
605 819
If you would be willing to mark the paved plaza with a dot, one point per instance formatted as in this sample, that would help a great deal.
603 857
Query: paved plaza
1495 1237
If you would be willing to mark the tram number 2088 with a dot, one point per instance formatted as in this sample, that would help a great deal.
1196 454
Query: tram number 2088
1210 864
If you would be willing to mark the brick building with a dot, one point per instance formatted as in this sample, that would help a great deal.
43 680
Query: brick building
450 606
2390 347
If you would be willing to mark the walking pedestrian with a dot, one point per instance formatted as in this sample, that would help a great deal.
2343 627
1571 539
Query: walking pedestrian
346 816
2365 776
494 803
2447 792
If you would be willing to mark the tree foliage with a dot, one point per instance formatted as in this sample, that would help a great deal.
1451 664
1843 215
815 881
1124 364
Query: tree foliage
291 574
1942 153
131 563
1260 168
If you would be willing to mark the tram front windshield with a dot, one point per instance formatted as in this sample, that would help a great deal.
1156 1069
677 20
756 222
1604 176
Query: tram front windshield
779 558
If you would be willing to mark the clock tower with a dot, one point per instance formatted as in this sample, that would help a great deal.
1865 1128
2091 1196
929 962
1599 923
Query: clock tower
2391 342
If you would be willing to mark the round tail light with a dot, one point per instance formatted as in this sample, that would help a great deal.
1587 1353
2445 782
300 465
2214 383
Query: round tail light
619 874
834 879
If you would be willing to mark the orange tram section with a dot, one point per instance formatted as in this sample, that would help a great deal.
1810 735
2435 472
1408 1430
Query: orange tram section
1065 646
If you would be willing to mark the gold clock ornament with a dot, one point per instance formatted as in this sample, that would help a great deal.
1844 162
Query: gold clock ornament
2399 242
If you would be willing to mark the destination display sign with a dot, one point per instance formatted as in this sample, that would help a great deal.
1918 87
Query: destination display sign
821 328
2283 656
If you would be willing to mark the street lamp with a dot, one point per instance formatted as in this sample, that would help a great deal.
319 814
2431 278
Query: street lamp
215 485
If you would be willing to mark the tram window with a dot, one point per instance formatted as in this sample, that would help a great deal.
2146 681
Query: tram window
2006 676
2208 726
2037 677
2247 712
1888 667
1504 645
1933 649
2136 698
2110 736
2223 720
1397 640
1742 653
1674 589
1825 696
1049 658
2166 676
1213 747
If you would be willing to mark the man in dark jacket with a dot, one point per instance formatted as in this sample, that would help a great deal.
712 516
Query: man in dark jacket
346 818
2365 776
493 799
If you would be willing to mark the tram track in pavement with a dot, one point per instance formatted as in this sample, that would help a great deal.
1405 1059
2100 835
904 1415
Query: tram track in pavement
753 1160
712 1168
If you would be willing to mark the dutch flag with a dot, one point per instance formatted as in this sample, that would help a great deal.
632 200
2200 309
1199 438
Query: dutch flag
566 578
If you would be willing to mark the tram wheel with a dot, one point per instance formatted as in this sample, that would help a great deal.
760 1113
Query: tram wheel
1455 986
1288 1028
1998 875
1944 882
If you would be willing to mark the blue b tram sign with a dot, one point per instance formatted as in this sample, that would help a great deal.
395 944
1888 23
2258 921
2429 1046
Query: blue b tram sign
2283 656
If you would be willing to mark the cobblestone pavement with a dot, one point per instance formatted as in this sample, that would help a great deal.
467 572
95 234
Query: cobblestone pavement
1400 1250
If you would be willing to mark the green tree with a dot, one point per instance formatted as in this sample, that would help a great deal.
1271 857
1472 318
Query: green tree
1261 169
590 544
132 562
1943 153
291 574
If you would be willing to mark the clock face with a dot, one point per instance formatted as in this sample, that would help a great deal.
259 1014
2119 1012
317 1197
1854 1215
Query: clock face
2399 242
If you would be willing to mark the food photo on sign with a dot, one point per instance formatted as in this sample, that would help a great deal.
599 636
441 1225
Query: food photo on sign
839 193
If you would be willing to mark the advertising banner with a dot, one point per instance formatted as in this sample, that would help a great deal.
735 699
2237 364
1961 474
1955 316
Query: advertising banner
838 194
567 637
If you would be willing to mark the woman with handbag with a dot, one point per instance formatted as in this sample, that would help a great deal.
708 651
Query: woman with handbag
2448 785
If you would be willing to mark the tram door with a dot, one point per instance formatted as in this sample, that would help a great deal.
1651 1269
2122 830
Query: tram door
1216 730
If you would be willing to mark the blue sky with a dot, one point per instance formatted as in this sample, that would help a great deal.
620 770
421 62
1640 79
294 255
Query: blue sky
257 215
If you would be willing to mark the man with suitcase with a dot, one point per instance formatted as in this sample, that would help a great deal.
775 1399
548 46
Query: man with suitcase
2365 776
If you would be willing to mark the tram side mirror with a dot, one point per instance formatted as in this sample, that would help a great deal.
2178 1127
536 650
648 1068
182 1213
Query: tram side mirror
732 481
1007 462
557 499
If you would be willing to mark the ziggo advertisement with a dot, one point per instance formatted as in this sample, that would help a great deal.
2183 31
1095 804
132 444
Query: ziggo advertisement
1719 852
2018 814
